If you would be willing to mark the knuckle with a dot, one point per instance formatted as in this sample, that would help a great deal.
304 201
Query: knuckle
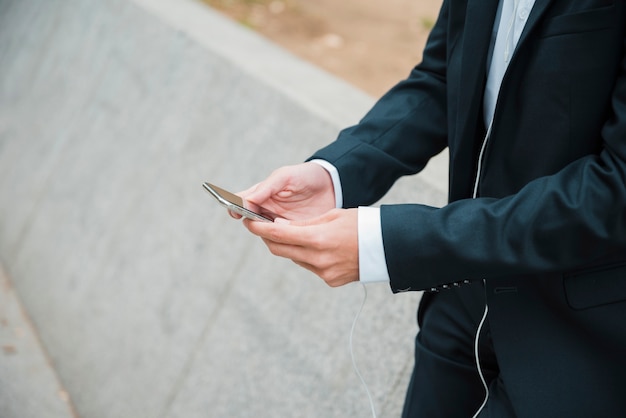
323 263
275 235
273 250
319 242
328 276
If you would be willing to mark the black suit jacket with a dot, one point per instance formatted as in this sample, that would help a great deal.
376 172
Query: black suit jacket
547 231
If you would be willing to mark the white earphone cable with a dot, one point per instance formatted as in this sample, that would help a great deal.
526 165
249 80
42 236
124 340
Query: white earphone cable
480 371
354 366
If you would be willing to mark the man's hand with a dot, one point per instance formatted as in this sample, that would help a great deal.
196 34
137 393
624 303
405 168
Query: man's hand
327 245
293 192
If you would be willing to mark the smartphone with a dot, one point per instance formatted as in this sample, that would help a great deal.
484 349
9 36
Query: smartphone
235 204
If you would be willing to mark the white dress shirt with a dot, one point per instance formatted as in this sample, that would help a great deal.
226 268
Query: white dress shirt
510 22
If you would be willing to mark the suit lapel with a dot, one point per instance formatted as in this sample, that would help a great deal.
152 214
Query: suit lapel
477 35
479 22
536 13
477 29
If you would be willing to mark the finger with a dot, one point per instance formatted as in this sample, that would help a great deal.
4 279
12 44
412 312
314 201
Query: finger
262 192
317 220
280 232
234 215
293 252
248 191
246 201
332 280
307 266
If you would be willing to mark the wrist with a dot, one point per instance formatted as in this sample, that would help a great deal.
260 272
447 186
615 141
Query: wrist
334 179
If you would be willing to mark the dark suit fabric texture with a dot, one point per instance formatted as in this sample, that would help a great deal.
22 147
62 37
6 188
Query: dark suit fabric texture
544 240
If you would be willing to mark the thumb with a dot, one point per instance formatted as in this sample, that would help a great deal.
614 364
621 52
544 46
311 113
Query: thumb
258 193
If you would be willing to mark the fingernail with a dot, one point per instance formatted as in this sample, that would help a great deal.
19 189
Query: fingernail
281 221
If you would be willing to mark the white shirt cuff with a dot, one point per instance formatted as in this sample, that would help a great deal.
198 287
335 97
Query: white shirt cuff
372 262
334 175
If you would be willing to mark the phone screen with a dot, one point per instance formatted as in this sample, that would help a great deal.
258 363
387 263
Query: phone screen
235 203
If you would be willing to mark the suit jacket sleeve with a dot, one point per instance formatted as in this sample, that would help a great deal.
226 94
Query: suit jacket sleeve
398 136
573 217
559 222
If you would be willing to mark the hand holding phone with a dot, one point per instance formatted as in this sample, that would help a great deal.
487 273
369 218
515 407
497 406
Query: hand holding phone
235 204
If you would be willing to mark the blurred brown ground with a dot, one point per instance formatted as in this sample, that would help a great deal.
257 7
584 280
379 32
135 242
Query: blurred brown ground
372 44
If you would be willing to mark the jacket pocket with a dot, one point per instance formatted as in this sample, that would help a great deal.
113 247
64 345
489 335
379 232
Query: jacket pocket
585 21
595 287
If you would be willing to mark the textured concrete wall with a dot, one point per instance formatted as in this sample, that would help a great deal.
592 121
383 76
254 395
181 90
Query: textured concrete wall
148 300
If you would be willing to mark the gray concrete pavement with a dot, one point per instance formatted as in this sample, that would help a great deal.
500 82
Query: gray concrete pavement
147 299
